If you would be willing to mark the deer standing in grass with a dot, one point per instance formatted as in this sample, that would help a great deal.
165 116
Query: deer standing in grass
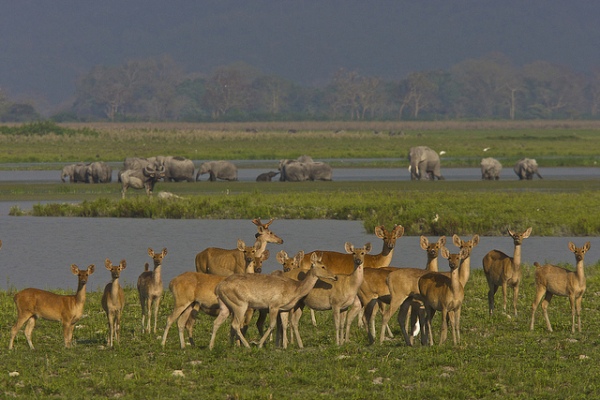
403 282
238 293
503 270
195 291
225 262
150 289
338 296
551 280
35 303
113 301
442 293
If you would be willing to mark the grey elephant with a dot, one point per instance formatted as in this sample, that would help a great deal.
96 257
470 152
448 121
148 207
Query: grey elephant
525 168
98 172
422 158
266 176
178 169
75 173
293 171
490 169
319 171
224 170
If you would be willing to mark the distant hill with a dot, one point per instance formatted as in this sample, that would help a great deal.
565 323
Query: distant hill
45 46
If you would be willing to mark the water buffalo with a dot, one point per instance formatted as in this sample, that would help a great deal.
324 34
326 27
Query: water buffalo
297 171
224 170
141 179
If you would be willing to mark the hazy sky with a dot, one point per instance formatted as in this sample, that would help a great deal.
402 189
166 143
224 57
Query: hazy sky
46 45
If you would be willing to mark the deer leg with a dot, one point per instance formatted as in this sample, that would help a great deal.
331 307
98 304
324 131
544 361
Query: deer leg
191 320
353 313
457 320
313 319
118 326
395 303
68 333
186 322
111 328
272 323
540 292
21 319
491 294
504 293
239 316
405 309
295 320
578 309
156 307
444 333
223 314
336 322
545 304
369 314
515 297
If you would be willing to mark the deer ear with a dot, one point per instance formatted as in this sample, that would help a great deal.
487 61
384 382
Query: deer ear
150 252
240 245
399 231
368 247
281 256
527 233
572 246
587 246
442 241
445 252
456 240
91 268
349 247
475 240
265 255
74 269
108 264
424 242
123 264
379 231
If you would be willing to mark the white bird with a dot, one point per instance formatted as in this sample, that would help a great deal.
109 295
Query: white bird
442 153
487 148
436 218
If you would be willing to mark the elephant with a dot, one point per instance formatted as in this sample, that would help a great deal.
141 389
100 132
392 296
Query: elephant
319 171
177 169
224 170
525 168
144 178
490 169
266 176
422 158
99 172
75 173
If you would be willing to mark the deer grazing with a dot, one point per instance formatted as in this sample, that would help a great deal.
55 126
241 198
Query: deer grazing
343 263
551 280
337 296
225 262
442 293
195 291
238 293
35 303
503 270
113 301
150 289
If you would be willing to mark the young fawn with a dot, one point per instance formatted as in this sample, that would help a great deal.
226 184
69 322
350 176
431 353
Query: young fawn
551 280
113 301
150 289
35 303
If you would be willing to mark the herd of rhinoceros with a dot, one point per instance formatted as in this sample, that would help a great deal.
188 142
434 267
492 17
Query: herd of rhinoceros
143 173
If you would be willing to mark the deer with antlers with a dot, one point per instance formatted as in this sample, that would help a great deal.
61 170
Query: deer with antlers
113 301
225 262
552 280
503 271
150 289
36 303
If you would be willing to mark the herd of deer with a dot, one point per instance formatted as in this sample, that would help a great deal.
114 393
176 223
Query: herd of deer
228 283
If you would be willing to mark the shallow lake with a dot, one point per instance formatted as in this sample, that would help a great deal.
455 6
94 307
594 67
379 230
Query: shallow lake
38 251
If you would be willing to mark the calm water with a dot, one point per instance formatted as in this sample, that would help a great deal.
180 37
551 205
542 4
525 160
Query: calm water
37 251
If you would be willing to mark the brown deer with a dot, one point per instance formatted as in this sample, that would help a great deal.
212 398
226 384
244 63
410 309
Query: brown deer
238 293
442 293
113 301
403 282
503 270
195 291
150 289
225 262
343 263
338 296
551 280
35 303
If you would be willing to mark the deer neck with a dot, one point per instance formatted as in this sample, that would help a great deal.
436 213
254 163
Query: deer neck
464 271
517 258
382 259
156 274
307 284
357 276
580 273
114 290
432 264
80 295
454 277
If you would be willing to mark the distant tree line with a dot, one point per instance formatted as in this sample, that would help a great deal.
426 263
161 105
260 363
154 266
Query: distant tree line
490 87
